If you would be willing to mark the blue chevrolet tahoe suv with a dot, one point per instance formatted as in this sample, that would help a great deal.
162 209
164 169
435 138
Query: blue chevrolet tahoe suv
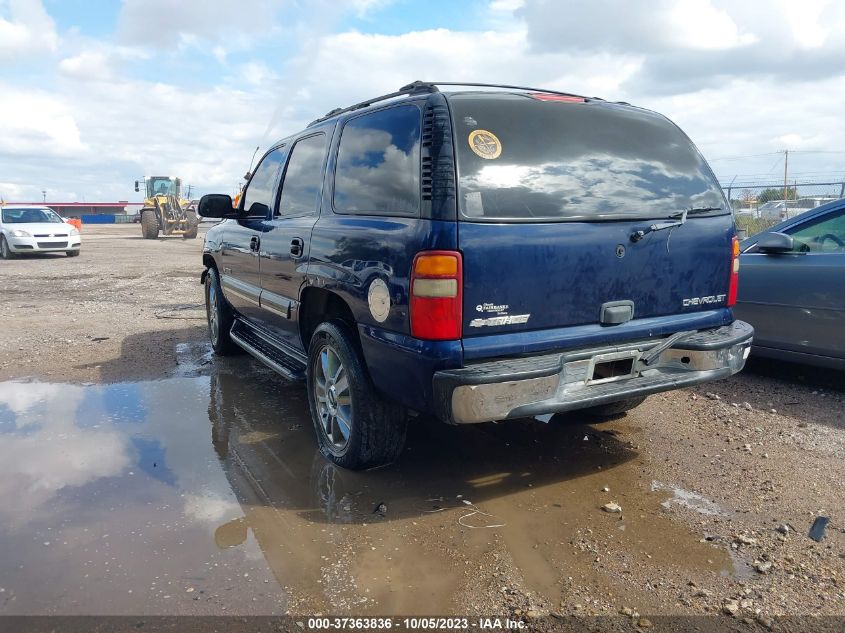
478 253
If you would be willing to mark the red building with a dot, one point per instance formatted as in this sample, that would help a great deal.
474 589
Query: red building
78 209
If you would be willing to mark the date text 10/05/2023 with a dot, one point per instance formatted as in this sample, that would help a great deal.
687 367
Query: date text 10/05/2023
415 623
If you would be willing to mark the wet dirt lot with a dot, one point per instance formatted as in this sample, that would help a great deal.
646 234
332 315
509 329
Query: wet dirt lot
141 475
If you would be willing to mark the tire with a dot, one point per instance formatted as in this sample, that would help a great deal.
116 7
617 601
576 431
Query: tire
219 315
615 408
5 251
356 428
74 253
149 224
193 225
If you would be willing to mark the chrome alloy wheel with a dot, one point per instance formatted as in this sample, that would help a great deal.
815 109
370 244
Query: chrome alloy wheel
333 397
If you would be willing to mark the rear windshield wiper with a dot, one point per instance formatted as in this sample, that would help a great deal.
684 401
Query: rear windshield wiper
636 236
694 211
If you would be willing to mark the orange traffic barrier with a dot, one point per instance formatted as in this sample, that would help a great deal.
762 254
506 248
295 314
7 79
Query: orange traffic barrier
75 222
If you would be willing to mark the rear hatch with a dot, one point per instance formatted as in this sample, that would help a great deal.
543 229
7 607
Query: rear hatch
550 194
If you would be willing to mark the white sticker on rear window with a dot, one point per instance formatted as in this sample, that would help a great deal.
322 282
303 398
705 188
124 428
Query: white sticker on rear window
473 206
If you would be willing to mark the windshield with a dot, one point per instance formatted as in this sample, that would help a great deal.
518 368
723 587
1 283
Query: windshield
161 186
25 216
523 159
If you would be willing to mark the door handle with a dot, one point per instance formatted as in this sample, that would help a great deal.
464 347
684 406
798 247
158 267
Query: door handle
297 246
254 243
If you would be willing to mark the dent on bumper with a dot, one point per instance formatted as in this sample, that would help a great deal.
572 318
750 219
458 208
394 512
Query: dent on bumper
562 382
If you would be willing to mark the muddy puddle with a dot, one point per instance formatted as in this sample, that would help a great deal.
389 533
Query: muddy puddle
202 494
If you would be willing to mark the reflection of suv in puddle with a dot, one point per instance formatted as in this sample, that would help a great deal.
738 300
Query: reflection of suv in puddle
478 255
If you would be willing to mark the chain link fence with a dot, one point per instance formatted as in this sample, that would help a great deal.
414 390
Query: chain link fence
758 207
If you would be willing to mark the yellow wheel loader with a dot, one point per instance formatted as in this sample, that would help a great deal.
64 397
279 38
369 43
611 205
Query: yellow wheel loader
165 210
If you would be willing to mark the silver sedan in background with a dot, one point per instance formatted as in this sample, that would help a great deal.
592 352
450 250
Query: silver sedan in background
36 229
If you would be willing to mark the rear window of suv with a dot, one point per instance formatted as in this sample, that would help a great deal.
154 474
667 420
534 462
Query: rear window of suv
526 159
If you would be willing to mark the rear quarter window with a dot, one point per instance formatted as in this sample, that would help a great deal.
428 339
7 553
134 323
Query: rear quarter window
378 163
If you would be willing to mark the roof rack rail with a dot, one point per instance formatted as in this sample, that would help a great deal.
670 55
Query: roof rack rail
510 87
416 87
427 87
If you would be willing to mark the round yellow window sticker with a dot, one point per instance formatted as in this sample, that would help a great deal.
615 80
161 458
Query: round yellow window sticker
485 144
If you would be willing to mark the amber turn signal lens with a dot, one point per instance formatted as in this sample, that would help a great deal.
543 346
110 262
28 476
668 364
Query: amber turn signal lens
436 266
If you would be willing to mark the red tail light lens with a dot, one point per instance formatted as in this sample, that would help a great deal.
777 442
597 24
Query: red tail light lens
734 282
437 295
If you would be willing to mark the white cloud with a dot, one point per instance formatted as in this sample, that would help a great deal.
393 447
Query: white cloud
97 61
811 21
364 7
36 123
740 78
11 191
256 73
27 29
760 116
20 397
168 25
698 24
211 507
87 66
98 137
685 45
331 69
51 452
506 6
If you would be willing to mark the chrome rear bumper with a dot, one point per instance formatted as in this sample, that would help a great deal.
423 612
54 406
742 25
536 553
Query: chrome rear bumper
552 383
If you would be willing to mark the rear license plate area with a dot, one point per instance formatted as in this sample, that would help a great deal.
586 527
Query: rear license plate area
607 367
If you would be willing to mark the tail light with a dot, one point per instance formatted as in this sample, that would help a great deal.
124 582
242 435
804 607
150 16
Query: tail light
734 282
437 295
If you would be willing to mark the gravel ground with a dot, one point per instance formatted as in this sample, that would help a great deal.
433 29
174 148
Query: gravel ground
716 486
114 313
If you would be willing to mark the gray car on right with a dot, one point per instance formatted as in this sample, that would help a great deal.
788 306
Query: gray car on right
792 288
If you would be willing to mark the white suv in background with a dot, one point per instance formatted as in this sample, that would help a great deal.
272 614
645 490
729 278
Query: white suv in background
33 229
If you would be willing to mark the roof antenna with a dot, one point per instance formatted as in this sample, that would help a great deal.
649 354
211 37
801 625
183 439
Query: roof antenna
248 173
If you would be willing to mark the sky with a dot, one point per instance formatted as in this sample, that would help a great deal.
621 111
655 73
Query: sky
95 94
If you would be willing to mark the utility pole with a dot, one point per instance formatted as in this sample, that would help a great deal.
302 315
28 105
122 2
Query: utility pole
43 195
785 167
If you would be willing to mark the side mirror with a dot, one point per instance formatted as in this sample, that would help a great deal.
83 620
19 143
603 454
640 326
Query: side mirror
216 205
773 242
137 188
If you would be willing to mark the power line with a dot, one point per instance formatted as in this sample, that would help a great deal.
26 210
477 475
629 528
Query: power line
792 151
817 151
742 157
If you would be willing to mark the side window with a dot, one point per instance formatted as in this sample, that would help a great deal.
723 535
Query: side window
303 177
260 188
826 235
378 163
